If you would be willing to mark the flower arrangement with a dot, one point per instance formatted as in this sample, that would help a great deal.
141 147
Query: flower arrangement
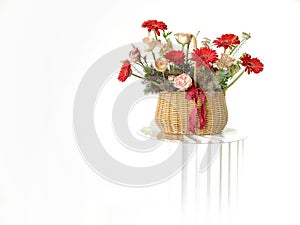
213 66
203 73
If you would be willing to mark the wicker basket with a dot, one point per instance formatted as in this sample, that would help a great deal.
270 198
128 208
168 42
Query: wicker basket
173 110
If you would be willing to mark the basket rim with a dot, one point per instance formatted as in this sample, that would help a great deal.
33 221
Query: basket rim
180 91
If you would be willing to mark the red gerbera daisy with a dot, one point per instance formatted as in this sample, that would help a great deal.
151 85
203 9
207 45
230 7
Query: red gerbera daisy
204 56
227 41
251 64
154 25
125 71
176 57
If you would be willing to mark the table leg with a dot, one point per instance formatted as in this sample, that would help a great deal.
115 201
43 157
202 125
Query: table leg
184 179
197 188
208 176
237 170
229 174
220 178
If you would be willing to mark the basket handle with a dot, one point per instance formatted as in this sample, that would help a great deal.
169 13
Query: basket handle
195 69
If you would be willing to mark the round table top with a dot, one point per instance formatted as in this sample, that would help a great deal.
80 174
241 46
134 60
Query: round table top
227 136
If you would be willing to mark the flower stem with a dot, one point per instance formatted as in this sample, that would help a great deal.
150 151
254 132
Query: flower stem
187 54
166 38
225 89
141 64
155 35
236 47
145 61
153 55
153 82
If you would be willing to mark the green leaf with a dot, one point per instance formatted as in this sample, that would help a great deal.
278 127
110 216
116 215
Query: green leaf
234 69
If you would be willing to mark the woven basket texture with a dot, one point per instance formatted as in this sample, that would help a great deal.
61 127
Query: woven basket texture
173 110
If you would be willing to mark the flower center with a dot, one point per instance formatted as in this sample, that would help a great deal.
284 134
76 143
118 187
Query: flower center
250 64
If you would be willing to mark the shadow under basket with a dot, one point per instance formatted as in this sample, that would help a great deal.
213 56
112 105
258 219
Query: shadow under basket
173 110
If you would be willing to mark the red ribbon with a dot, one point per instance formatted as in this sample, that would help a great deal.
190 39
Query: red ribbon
192 94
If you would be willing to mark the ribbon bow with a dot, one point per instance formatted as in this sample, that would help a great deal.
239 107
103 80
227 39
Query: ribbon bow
192 94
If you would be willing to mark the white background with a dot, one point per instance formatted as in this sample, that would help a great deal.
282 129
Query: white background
47 46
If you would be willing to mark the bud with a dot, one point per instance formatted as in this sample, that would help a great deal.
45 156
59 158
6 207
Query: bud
246 36
135 55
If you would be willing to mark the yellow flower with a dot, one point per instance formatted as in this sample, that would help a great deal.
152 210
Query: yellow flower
183 38
161 64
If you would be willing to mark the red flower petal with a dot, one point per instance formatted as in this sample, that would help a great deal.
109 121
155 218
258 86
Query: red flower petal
176 57
204 56
227 41
154 25
251 64
125 71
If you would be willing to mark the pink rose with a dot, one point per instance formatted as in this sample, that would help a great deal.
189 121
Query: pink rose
135 55
183 81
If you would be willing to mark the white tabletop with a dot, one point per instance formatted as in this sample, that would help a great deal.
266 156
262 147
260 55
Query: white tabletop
227 136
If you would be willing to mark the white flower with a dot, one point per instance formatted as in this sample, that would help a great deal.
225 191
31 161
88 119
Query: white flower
150 43
183 38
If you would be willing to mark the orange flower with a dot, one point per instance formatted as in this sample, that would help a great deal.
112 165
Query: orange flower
161 64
